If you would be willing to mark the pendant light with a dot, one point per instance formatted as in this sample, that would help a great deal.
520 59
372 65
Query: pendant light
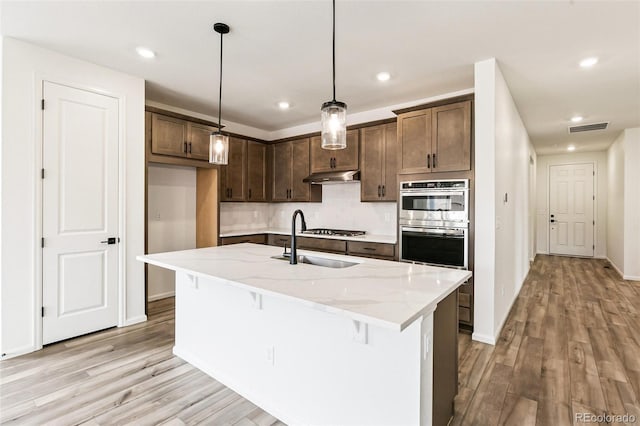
219 143
333 114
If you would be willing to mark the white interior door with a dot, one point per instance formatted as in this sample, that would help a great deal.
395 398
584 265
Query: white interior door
571 210
80 212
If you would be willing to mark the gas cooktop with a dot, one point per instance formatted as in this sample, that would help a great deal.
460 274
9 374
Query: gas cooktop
337 232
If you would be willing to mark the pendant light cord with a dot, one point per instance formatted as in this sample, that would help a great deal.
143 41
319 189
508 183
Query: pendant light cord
334 50
220 92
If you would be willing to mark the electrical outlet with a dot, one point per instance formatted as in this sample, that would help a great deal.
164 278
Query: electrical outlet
270 353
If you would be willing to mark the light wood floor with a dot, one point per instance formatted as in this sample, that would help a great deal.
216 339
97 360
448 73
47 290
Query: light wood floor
571 344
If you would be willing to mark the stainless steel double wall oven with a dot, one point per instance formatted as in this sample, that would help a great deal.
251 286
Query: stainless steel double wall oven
434 222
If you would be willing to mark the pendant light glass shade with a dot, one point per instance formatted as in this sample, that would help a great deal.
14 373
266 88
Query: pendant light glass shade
333 114
218 148
219 143
333 117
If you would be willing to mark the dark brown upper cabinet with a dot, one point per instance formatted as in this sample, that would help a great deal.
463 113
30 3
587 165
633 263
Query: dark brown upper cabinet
233 180
290 167
436 139
256 171
378 165
327 160
179 138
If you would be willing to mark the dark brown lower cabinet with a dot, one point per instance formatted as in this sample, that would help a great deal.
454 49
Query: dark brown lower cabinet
445 358
372 250
322 244
279 240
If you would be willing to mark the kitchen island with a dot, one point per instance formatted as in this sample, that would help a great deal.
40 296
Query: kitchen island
311 344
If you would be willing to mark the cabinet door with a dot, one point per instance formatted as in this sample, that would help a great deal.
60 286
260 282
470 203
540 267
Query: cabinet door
199 141
414 141
256 171
326 160
390 182
281 171
235 173
348 158
371 163
321 159
451 140
300 191
168 135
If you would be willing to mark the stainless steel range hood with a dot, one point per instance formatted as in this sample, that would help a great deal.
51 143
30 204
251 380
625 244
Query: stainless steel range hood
333 177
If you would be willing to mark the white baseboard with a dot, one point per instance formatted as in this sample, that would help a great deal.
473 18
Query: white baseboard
542 252
159 296
615 267
631 277
134 320
12 353
484 338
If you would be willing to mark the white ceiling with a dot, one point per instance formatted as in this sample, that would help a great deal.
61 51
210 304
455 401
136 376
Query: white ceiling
281 50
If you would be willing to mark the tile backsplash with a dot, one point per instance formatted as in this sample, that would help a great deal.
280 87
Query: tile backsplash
340 209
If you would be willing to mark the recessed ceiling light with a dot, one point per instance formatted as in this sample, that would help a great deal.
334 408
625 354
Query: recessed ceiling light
588 62
383 76
283 105
576 119
145 52
571 148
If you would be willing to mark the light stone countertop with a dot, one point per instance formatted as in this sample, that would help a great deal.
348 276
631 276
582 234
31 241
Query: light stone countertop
366 238
377 292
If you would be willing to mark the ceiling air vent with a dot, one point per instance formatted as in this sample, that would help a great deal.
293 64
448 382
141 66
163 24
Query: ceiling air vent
588 127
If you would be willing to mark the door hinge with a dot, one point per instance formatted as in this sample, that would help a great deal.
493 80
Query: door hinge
594 198
593 247
42 312
42 174
42 104
594 223
42 242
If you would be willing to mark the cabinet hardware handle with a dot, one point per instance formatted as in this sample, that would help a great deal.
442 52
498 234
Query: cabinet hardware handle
185 147
249 192
428 161
369 248
379 191
434 160
383 190
189 147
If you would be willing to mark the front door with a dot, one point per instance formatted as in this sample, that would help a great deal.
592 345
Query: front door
80 212
571 210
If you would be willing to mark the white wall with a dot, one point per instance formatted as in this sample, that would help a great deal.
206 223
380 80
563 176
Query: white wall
502 175
171 220
615 203
632 204
623 236
24 66
340 209
599 159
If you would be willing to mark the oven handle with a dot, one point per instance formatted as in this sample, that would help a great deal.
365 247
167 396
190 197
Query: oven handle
432 231
431 193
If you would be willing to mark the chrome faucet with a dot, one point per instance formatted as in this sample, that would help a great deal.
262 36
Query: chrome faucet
294 254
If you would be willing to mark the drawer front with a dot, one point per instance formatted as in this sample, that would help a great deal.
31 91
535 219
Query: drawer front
256 239
464 314
333 246
464 300
371 249
279 240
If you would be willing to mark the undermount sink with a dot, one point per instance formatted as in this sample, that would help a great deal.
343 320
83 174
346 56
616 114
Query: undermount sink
318 261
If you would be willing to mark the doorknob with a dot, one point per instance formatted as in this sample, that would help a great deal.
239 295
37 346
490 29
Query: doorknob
110 240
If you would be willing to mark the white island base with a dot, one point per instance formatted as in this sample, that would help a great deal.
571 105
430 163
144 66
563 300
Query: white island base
300 364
